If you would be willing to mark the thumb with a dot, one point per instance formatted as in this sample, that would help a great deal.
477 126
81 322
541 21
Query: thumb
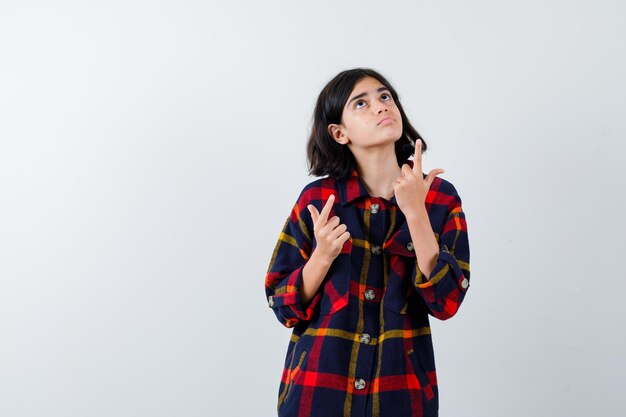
313 211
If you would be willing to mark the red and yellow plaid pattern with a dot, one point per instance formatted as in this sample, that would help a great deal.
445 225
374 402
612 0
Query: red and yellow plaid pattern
362 346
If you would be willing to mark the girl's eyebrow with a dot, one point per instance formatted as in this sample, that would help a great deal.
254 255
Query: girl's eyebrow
363 94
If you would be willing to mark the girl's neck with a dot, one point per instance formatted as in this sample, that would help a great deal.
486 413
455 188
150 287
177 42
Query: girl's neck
378 170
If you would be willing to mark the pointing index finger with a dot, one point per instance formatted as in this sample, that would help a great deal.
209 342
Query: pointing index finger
417 161
326 210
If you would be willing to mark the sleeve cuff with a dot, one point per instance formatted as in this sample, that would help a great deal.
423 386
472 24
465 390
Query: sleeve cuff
288 301
446 268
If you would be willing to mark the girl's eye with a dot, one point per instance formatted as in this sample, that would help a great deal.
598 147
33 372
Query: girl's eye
382 95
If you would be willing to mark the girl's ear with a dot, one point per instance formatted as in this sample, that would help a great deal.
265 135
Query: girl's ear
336 132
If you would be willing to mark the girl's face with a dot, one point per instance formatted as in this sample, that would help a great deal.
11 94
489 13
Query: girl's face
364 117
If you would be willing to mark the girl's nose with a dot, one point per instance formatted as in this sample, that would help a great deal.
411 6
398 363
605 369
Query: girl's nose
380 107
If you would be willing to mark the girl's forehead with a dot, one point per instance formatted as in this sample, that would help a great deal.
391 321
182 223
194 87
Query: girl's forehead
366 87
367 81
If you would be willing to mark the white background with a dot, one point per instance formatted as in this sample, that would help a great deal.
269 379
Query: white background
150 152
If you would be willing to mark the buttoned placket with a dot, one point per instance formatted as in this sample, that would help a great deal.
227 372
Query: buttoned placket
376 213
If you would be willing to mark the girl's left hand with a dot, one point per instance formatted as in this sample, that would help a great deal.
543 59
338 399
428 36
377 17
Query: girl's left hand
411 188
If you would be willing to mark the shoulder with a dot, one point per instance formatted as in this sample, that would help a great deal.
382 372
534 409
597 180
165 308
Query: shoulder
316 191
445 193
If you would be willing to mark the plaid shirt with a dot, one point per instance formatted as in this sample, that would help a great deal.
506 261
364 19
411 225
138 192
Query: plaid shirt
362 345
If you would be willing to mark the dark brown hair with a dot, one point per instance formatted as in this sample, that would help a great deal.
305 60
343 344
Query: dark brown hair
326 156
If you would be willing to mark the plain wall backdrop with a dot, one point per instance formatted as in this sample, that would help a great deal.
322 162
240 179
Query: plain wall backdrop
150 153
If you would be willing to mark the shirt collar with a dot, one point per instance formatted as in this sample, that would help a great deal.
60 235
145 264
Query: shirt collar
353 188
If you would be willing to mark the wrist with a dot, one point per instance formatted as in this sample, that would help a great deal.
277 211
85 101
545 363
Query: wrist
416 213
319 258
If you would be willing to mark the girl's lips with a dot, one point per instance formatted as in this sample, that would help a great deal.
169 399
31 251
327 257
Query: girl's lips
385 120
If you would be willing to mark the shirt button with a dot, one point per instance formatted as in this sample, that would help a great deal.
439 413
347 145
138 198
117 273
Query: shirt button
359 384
374 208
376 249
369 295
409 246
365 338
465 283
270 299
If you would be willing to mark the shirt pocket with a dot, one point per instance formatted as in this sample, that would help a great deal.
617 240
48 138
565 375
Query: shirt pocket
399 286
336 285
401 258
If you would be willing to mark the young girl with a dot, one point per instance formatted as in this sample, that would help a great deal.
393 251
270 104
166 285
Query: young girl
365 256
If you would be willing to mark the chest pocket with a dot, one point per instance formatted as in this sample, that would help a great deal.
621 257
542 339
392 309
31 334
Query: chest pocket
398 289
336 285
401 269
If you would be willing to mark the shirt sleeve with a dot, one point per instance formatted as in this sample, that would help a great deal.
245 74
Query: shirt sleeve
284 274
444 290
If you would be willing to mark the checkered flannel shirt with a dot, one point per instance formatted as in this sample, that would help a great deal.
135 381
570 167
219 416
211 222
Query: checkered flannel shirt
362 345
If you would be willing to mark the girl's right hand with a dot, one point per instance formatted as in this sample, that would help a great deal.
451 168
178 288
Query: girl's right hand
330 234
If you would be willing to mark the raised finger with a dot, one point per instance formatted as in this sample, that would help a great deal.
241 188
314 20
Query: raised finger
326 210
417 160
